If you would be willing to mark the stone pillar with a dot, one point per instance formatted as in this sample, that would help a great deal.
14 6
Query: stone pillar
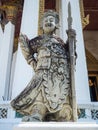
29 26
6 52
81 76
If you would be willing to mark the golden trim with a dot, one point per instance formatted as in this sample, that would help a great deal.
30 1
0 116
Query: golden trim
15 44
17 3
84 20
11 12
41 11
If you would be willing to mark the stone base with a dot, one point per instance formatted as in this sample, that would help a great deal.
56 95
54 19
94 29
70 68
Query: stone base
56 126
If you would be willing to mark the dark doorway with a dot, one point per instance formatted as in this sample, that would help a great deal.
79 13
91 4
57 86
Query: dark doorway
93 88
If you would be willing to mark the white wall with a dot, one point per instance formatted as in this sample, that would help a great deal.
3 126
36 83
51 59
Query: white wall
1 35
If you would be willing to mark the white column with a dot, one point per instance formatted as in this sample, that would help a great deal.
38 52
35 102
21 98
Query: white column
81 76
5 59
29 26
11 74
1 36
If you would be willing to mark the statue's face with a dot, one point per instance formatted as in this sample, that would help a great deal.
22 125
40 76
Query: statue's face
49 24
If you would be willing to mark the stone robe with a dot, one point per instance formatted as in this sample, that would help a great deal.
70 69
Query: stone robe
51 83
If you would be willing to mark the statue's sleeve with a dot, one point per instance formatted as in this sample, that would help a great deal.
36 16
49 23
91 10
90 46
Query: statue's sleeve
27 52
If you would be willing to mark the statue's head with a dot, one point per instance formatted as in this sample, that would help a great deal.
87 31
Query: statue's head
50 21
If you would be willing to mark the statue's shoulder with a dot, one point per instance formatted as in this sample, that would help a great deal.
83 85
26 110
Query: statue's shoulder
36 39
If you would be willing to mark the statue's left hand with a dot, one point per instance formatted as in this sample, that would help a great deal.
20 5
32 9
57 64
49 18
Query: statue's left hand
71 32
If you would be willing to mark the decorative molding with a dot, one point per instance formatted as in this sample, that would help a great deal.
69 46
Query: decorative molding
6 110
84 20
18 3
41 11
11 8
3 113
11 12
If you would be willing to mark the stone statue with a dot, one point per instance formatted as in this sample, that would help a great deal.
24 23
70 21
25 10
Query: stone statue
48 95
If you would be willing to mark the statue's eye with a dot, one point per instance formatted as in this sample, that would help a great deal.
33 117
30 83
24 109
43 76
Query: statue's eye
51 20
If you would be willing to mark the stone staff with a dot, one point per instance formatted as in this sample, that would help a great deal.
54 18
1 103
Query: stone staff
72 55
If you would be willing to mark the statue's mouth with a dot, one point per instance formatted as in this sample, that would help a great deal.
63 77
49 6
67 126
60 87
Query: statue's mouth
48 25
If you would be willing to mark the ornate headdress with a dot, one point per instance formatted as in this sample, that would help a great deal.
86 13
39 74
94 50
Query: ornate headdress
52 13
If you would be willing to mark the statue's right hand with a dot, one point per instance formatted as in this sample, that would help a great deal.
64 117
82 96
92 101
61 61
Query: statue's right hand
33 64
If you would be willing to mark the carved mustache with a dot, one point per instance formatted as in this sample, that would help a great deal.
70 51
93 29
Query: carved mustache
48 25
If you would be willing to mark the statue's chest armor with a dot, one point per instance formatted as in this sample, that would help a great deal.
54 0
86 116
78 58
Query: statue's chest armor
53 46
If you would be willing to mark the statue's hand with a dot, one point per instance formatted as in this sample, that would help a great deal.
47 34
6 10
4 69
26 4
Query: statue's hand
33 64
71 33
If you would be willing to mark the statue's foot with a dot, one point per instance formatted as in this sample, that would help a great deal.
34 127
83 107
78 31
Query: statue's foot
65 113
33 118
